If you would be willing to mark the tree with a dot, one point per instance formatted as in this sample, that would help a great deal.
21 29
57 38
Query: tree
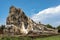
49 26
58 27
2 27
39 22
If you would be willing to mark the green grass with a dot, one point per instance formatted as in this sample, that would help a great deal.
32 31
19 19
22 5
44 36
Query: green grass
30 38
49 38
15 38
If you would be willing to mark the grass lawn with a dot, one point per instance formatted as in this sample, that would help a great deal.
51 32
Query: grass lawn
49 38
29 38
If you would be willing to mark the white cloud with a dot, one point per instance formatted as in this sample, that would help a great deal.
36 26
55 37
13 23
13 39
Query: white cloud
48 16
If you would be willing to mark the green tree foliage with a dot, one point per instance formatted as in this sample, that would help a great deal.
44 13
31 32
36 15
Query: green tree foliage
2 27
49 26
58 27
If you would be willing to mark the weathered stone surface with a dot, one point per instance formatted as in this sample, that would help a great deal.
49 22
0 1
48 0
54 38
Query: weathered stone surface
22 23
17 16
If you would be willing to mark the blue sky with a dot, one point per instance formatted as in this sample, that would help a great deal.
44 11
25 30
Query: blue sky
31 9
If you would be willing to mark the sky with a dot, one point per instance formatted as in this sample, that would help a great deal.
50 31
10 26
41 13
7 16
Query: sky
44 11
